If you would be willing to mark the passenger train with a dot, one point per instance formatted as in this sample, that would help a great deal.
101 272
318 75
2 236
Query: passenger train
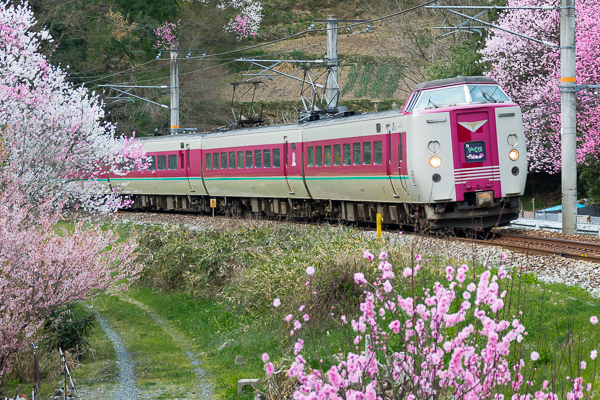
453 157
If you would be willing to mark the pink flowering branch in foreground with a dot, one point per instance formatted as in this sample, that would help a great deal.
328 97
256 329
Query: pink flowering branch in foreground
448 344
166 35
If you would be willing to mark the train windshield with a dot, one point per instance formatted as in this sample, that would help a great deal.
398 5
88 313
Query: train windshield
448 96
456 95
487 94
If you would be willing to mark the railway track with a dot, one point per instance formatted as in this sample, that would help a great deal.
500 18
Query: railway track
541 245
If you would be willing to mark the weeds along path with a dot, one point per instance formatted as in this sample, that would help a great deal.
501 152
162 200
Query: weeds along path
204 388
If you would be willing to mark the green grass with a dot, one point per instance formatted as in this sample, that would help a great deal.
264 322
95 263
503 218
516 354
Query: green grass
159 360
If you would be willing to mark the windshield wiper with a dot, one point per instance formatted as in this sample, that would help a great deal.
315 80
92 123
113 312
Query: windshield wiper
487 96
431 102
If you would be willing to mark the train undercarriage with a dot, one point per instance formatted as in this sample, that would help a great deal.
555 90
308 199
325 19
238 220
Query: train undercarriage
446 215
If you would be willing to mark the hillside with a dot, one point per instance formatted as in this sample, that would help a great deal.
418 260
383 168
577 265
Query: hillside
104 41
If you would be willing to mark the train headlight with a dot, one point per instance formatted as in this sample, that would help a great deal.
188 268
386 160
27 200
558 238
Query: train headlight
513 155
435 162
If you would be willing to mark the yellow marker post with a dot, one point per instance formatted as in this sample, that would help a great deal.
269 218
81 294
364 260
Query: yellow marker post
213 205
378 226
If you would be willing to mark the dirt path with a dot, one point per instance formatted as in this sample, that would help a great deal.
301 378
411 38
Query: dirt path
203 387
126 388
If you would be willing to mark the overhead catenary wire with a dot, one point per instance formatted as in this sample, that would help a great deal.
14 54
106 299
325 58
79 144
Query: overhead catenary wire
209 56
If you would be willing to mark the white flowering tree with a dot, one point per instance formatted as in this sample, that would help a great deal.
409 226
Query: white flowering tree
53 133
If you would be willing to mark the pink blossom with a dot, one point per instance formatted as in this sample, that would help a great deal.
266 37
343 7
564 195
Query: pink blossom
310 270
343 318
583 365
407 272
288 318
276 302
382 255
368 255
265 357
395 326
269 368
297 325
503 256
302 307
594 320
387 286
535 355
306 317
298 346
359 278
417 257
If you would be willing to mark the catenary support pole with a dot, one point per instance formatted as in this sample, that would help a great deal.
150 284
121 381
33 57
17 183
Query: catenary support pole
174 92
568 117
332 62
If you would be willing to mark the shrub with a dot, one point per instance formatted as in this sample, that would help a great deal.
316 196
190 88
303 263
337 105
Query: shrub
447 341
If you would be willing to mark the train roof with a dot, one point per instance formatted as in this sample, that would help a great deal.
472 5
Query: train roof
273 128
454 81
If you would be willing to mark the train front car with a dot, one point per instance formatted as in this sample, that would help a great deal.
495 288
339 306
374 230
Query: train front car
469 162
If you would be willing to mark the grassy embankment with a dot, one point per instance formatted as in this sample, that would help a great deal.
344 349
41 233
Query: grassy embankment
216 290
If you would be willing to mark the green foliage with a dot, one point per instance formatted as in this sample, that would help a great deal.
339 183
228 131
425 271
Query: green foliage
589 174
380 81
464 60
160 10
365 80
351 81
69 328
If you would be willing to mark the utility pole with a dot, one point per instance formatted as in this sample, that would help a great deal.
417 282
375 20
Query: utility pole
568 117
174 92
332 62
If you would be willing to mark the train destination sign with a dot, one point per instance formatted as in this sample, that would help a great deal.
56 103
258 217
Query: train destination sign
475 151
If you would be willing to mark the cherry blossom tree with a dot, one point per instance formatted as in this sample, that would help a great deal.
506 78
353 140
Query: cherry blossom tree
57 145
42 271
530 72
53 150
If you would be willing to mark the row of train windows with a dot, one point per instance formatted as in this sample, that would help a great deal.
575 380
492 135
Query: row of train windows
254 159
352 154
162 162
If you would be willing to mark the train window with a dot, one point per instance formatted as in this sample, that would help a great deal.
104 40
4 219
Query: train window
448 96
356 148
487 94
311 157
257 159
151 163
240 159
208 161
337 154
172 161
328 156
232 159
223 160
347 154
276 158
216 161
378 126
377 153
182 157
267 158
293 146
319 155
249 159
367 153
162 163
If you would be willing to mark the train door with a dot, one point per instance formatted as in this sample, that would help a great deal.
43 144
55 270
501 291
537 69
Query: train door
185 164
397 161
476 166
286 164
